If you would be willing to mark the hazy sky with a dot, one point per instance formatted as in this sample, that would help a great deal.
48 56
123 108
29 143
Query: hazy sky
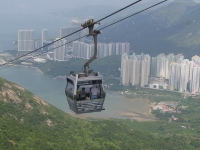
37 14
27 7
36 5
43 5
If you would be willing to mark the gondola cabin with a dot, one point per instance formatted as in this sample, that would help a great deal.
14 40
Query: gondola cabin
85 92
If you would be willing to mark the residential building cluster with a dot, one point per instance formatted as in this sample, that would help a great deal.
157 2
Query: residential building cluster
86 51
171 72
185 75
27 42
135 69
65 43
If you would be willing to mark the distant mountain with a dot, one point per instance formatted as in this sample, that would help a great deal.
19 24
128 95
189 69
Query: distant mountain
172 28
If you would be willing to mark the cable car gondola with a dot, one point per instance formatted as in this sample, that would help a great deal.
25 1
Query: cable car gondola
84 91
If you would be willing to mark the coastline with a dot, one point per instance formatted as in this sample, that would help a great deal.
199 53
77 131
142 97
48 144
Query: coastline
139 115
25 66
124 109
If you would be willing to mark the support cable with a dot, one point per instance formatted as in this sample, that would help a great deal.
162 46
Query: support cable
71 33
85 35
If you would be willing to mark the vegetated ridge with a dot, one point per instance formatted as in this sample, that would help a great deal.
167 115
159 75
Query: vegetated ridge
28 122
108 65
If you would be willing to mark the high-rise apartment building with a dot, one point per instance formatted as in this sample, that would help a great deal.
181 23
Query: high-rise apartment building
45 40
74 26
183 75
135 70
103 49
44 35
100 50
26 40
125 71
59 49
196 59
160 65
83 50
174 81
122 48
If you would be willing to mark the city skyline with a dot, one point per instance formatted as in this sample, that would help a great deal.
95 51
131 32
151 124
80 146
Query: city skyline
78 48
179 74
86 51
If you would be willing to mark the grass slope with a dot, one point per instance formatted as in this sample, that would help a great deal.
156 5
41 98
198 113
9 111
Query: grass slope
27 122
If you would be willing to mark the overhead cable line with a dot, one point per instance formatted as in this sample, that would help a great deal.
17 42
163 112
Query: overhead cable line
86 35
71 33
43 52
133 14
117 11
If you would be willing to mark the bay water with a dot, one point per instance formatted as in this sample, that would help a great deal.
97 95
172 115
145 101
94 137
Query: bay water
52 91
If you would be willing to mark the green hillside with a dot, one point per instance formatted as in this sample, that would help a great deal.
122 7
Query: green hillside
28 122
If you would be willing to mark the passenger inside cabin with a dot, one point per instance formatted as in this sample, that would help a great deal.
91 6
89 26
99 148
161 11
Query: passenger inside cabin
82 94
77 91
87 96
94 92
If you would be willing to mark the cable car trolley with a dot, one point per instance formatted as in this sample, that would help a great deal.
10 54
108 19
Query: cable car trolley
84 91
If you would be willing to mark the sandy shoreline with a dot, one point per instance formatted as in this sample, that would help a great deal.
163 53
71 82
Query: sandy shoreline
131 114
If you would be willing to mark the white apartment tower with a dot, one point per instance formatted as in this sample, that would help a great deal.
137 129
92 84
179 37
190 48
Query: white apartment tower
44 35
26 40
160 65
82 50
103 49
184 76
135 70
125 70
74 26
59 49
